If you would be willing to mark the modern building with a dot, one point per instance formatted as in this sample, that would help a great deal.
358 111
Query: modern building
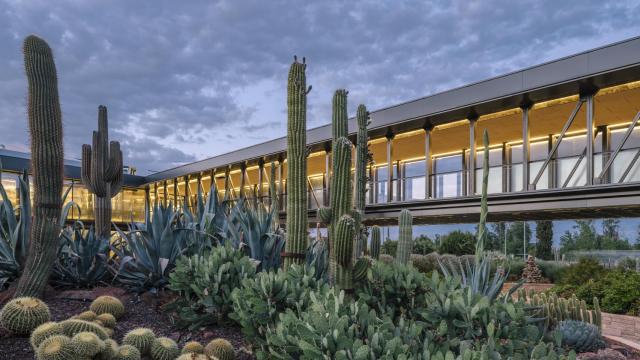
564 143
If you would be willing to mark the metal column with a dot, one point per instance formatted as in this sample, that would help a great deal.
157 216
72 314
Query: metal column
590 139
260 178
525 147
327 175
427 162
175 193
243 179
471 163
187 192
389 169
165 192
281 189
506 160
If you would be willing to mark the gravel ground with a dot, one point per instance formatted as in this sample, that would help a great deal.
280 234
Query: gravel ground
140 313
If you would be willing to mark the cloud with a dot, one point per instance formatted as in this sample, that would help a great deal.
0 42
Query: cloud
188 80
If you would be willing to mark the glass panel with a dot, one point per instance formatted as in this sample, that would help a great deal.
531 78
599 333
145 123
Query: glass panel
10 184
494 185
620 164
316 193
414 181
447 164
516 177
448 185
543 182
564 167
632 142
538 150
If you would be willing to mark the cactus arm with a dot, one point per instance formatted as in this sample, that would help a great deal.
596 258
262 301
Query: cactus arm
45 128
85 170
115 162
484 209
405 239
375 242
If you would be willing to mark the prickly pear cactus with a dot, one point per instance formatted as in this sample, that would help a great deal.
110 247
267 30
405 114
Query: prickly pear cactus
297 222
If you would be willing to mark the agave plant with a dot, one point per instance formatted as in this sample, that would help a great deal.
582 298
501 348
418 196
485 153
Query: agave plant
147 252
83 260
253 229
15 229
207 226
317 258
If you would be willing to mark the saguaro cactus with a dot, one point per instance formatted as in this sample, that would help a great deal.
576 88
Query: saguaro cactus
484 208
45 128
375 242
297 222
405 239
362 159
102 172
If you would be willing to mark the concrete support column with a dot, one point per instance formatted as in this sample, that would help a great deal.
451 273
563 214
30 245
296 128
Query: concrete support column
506 160
471 162
260 178
243 179
427 161
281 186
389 136
227 182
165 192
175 193
187 192
605 136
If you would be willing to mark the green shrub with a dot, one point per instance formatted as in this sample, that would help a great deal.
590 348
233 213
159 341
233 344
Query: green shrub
205 283
258 303
389 247
621 293
423 245
458 243
394 290
551 270
425 263
581 272
386 258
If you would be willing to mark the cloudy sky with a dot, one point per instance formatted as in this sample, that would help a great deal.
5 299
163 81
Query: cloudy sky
185 80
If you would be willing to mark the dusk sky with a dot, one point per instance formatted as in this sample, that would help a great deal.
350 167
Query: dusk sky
188 80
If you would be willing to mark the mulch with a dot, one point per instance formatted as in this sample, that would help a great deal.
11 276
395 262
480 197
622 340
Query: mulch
142 311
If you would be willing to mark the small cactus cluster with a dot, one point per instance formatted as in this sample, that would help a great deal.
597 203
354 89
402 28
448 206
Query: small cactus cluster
405 238
557 309
164 348
22 315
580 336
220 349
141 339
193 347
107 305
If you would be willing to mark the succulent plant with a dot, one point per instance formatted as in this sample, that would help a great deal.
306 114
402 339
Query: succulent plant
73 326
362 160
86 316
141 338
221 349
109 350
164 348
580 336
194 356
21 315
44 331
87 344
405 238
56 347
296 164
556 309
192 347
109 305
102 173
47 165
127 352
375 242
107 320
83 259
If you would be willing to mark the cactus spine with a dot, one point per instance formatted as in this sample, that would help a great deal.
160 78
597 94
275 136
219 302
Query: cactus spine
102 172
45 128
297 222
405 239
362 159
375 242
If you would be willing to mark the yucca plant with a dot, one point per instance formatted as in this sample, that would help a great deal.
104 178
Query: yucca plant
15 228
147 252
252 229
83 259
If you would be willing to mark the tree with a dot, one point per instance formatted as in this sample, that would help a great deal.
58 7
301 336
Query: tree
611 228
458 243
515 240
544 237
423 245
496 237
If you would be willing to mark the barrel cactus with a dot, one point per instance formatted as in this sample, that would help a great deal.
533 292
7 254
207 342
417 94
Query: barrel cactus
101 173
45 129
164 348
127 352
86 316
375 242
109 350
141 338
220 349
107 305
21 315
56 347
297 221
192 347
107 319
87 344
73 326
193 356
580 336
405 238
44 331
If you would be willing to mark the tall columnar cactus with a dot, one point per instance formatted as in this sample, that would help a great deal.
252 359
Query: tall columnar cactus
297 222
362 159
375 242
45 128
484 209
102 172
405 238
